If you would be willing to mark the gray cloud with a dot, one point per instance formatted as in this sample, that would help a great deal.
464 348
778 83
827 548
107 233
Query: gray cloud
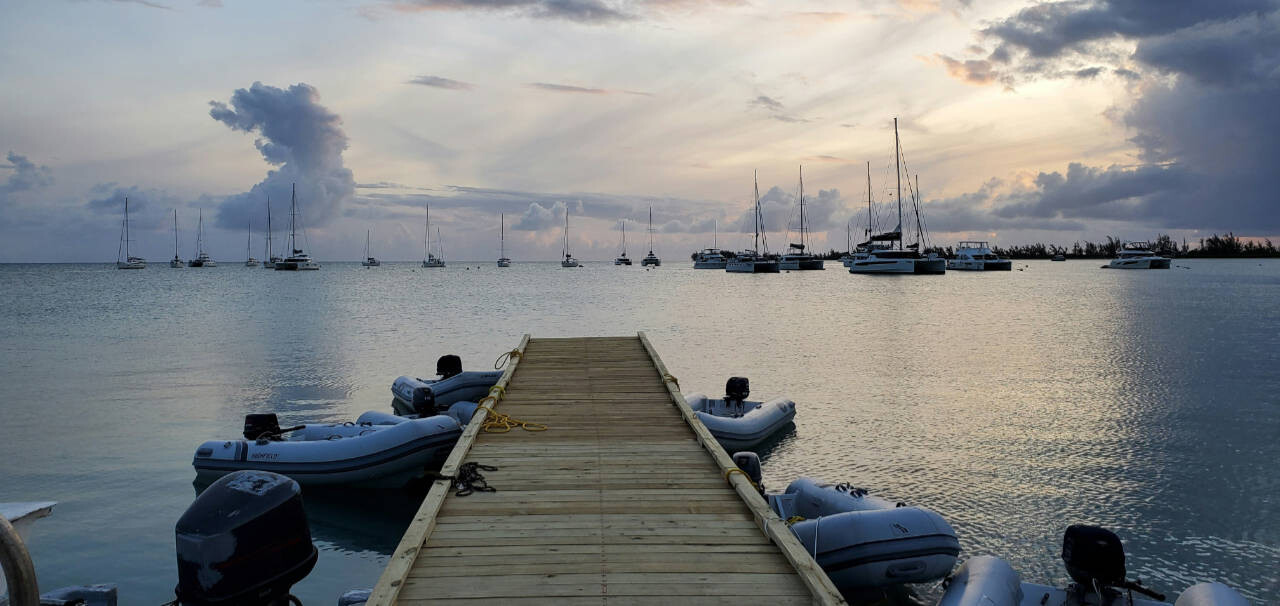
973 71
566 88
26 176
300 137
1234 53
581 11
441 82
766 102
148 207
775 109
538 217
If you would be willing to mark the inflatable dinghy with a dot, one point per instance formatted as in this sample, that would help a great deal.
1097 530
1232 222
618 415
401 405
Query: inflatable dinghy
739 424
864 543
427 397
381 454
1095 561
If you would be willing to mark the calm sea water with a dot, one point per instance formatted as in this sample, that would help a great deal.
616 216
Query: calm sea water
1014 404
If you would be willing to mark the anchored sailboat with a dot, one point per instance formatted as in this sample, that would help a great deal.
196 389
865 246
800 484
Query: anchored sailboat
431 260
125 260
176 261
753 261
877 255
248 249
297 259
568 261
623 259
798 255
503 261
202 258
369 259
271 258
712 258
651 259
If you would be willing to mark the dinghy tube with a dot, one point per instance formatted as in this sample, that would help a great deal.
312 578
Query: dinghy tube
983 581
426 397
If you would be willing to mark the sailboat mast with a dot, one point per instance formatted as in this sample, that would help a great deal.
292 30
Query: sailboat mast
897 165
756 182
248 242
651 230
502 236
803 246
428 231
916 200
175 233
126 227
200 232
268 227
565 249
868 230
293 220
715 235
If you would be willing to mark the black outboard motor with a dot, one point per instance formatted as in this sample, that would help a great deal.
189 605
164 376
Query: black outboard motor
1094 557
424 402
749 462
448 366
244 541
736 389
264 425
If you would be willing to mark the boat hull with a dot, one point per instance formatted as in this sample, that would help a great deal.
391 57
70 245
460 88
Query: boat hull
873 265
1140 263
410 394
648 261
738 430
294 266
752 267
622 261
961 265
710 264
377 455
124 265
801 265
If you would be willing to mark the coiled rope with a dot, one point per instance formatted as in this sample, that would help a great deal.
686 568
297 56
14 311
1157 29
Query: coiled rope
669 378
505 358
497 422
729 472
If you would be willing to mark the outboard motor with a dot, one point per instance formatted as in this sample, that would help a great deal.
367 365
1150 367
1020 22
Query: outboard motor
448 366
736 390
1094 557
264 425
424 402
244 542
749 462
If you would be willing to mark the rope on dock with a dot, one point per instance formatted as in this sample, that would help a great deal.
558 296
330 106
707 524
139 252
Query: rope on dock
731 471
506 357
669 378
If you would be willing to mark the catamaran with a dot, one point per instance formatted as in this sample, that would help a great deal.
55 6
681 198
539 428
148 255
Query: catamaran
877 255
248 249
712 258
431 260
568 261
651 259
124 260
798 255
753 261
369 259
623 259
176 261
271 258
1137 255
202 258
297 259
503 261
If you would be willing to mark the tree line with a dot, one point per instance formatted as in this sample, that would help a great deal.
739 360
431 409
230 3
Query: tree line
1215 246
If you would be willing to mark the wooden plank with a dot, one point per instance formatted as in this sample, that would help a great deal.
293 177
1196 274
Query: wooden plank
401 561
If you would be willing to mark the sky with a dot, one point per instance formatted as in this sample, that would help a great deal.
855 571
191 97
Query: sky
1054 122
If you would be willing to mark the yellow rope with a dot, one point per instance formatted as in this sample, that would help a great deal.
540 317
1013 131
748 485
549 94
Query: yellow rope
501 391
500 423
793 519
668 378
729 472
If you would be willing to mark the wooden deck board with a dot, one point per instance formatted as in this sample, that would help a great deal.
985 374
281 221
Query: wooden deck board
620 501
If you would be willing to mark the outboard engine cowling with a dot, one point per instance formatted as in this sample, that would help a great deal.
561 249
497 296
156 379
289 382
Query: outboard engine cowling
737 389
448 366
1092 555
261 425
244 541
424 401
749 463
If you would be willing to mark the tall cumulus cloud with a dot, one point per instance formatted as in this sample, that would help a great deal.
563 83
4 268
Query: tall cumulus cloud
302 139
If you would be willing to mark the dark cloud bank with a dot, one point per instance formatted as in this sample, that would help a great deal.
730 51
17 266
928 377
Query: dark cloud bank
26 176
1206 77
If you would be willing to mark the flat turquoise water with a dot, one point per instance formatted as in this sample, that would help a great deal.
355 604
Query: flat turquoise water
1013 403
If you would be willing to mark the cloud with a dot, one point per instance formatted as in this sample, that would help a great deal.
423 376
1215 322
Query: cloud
300 137
768 103
775 109
440 82
26 176
580 11
1205 131
566 88
148 207
972 71
538 217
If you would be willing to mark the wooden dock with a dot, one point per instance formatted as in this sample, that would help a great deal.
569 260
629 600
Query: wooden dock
625 498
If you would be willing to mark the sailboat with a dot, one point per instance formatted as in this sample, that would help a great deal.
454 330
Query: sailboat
124 260
877 255
623 259
752 261
202 258
297 259
176 261
711 258
847 258
271 259
798 255
503 261
568 261
369 259
248 249
651 259
432 260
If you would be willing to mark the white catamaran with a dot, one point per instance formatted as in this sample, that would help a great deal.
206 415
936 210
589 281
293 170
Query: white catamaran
568 261
753 261
712 258
202 258
877 255
369 259
177 261
503 261
297 259
431 260
651 259
125 260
